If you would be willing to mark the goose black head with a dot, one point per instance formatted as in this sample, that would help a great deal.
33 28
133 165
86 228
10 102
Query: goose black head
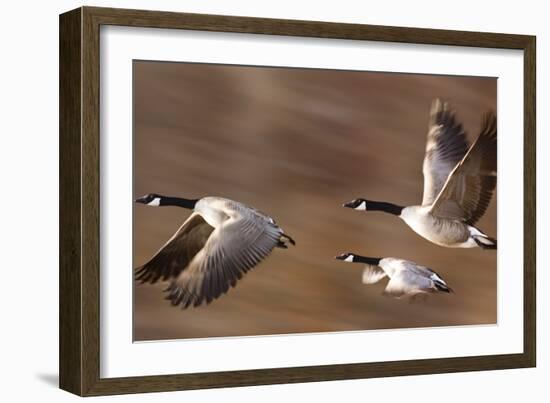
346 257
371 205
352 258
151 199
357 204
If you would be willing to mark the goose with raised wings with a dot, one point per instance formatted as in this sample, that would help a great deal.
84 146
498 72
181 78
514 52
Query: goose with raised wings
459 182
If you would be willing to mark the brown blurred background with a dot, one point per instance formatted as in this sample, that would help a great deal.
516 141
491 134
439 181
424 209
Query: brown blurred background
296 144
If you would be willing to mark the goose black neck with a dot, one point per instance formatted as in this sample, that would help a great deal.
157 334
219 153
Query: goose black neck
178 201
367 260
384 206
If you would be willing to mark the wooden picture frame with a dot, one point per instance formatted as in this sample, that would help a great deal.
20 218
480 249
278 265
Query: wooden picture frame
79 201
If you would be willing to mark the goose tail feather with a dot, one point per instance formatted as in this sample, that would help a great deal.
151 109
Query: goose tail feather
485 242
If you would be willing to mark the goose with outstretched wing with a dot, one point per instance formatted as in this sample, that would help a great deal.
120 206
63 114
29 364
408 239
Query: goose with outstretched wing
220 242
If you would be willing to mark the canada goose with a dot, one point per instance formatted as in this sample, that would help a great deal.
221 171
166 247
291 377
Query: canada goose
458 183
407 279
220 241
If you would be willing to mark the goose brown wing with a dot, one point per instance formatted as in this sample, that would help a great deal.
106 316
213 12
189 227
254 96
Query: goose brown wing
178 252
445 147
235 247
468 190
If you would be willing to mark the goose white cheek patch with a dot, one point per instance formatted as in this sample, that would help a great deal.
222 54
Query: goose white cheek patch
362 206
155 202
349 259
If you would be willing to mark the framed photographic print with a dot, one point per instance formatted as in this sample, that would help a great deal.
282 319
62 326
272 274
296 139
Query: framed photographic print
251 201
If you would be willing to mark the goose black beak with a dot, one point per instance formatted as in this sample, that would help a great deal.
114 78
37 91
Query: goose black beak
142 200
343 256
350 204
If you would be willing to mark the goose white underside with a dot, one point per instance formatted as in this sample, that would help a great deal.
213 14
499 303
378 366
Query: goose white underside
470 243
214 210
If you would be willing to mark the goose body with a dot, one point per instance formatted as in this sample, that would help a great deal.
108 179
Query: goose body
406 278
459 182
441 231
220 242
